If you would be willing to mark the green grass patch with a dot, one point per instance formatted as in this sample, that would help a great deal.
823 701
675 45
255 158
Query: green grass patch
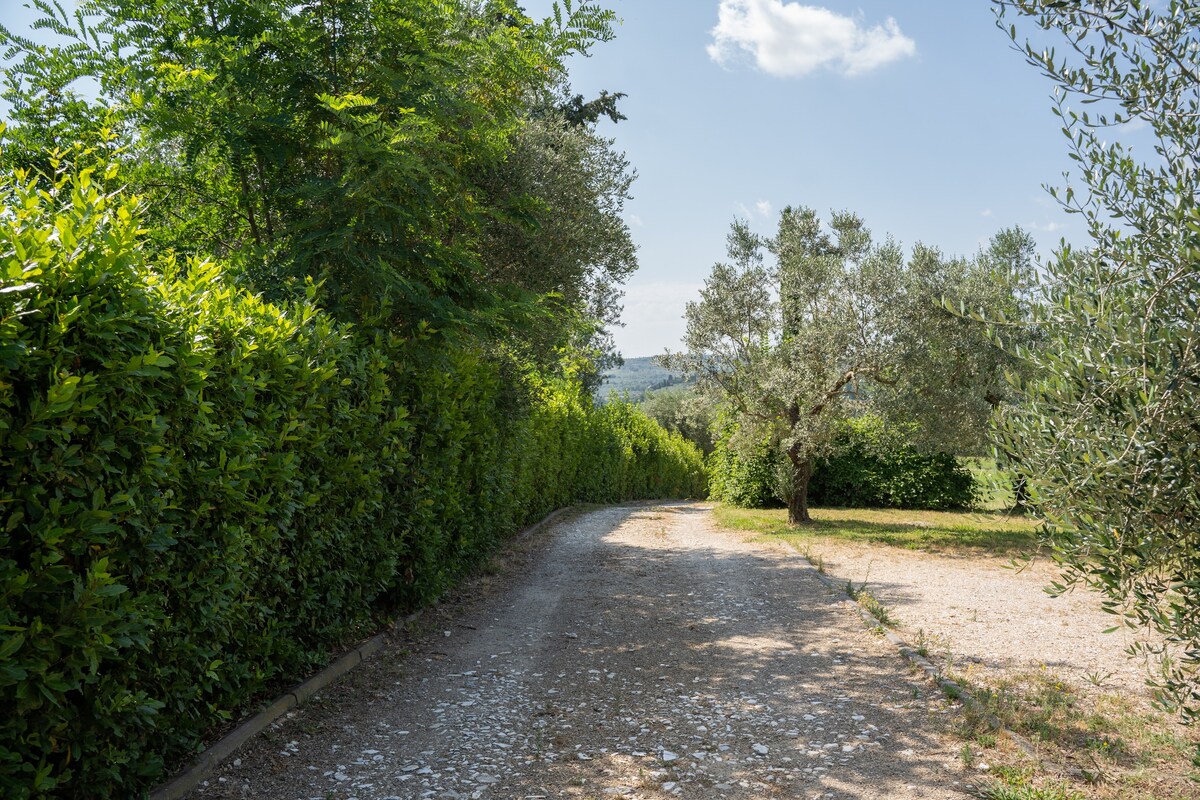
1023 784
913 530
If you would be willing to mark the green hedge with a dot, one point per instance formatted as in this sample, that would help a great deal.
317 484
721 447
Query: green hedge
868 466
202 496
871 466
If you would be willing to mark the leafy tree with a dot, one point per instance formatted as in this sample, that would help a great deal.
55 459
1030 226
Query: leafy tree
1004 282
1108 432
350 140
561 234
836 325
998 285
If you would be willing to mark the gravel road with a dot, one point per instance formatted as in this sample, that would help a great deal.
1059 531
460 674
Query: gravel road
628 652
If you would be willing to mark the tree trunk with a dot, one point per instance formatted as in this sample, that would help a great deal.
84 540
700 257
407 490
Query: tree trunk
798 502
1020 484
1021 498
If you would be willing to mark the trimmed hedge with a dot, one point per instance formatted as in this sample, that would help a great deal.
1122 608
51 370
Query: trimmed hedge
202 496
868 466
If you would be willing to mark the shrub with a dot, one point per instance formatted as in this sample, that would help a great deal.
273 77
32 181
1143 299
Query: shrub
741 479
872 466
867 466
203 495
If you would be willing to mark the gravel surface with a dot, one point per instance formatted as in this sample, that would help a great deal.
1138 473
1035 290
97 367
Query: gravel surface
629 652
984 616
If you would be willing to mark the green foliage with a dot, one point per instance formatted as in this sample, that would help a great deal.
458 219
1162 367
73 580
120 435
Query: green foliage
871 465
868 465
684 410
578 113
1107 436
387 148
559 230
203 495
746 477
997 285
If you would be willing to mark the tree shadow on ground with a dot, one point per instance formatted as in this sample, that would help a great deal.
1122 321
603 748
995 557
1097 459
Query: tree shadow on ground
756 641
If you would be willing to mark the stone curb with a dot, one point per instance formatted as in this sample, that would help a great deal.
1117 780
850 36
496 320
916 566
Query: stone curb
207 762
950 688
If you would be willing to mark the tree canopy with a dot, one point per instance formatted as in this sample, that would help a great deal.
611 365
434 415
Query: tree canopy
423 159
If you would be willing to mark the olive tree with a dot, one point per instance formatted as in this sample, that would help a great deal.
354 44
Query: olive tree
836 324
681 409
1108 431
562 235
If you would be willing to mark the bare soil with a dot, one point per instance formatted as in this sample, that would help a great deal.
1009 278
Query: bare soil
632 652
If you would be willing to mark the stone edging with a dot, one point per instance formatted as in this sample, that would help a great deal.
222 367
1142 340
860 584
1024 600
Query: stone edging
207 762
951 688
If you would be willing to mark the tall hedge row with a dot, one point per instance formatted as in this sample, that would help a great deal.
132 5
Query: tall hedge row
203 495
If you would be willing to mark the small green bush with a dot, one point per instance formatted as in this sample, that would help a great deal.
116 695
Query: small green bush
745 481
202 495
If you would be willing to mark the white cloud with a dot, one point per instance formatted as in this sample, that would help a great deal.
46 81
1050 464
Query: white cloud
635 221
987 212
1134 125
763 207
1049 227
787 39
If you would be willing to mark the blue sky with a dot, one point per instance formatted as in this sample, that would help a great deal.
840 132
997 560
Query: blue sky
918 116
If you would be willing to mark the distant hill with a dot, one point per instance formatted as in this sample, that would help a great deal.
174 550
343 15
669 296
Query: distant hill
636 377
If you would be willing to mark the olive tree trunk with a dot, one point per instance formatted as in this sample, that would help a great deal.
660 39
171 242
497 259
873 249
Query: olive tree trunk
802 467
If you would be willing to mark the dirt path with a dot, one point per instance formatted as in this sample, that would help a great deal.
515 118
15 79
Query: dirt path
634 652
